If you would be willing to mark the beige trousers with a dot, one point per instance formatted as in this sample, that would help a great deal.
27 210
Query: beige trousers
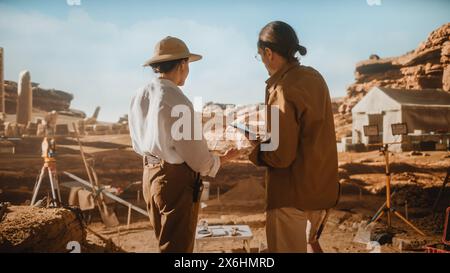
289 230
168 192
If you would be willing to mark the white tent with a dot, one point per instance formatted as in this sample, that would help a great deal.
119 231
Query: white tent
425 110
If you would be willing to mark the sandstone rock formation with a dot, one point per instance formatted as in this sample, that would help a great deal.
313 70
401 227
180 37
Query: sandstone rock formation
92 120
426 67
43 99
24 98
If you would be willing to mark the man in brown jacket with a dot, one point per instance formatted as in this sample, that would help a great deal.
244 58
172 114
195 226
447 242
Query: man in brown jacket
301 179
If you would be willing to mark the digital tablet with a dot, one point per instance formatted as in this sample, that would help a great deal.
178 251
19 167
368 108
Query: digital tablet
244 129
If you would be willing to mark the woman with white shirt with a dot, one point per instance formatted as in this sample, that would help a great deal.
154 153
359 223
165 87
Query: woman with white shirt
174 161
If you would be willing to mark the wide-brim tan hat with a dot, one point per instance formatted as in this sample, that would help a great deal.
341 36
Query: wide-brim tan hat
169 49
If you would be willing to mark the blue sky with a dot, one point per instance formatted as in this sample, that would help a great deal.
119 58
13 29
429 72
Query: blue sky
95 50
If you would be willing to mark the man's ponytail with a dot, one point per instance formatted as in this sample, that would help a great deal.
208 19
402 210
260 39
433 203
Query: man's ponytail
302 50
282 39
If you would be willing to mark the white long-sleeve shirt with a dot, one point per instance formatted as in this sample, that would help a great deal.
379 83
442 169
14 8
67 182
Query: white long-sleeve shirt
150 120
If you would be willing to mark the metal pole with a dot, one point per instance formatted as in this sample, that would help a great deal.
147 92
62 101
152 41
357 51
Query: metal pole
409 223
381 209
388 186
52 186
110 195
406 210
129 217
82 155
36 189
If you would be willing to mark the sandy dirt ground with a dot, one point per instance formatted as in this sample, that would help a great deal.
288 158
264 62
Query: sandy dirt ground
337 237
237 196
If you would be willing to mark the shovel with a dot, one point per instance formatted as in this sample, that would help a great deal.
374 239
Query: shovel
108 216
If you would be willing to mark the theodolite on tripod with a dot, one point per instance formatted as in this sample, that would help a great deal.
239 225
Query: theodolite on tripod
48 153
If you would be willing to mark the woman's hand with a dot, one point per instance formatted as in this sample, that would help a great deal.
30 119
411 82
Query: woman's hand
229 155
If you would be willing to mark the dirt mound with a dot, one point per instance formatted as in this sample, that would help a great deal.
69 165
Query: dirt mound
30 229
244 193
415 196
249 190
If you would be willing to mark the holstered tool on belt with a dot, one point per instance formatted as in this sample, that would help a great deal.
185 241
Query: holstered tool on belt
198 187
198 184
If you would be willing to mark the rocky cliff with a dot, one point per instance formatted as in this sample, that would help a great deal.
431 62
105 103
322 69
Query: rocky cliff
426 67
43 99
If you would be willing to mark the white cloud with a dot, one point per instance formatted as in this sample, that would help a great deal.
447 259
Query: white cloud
373 2
100 62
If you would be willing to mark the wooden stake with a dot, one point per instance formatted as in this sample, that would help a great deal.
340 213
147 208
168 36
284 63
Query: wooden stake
119 243
129 217
406 210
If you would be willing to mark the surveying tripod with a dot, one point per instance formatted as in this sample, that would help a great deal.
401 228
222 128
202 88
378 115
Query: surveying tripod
48 153
387 208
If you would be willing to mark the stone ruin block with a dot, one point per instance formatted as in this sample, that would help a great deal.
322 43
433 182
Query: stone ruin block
80 127
7 147
24 98
21 129
116 126
124 128
89 129
13 129
8 129
40 131
31 128
124 132
2 127
102 129
62 129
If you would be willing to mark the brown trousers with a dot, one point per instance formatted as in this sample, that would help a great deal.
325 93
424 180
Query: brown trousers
168 191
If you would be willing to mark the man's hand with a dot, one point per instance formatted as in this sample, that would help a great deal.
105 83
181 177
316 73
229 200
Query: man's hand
253 142
229 155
